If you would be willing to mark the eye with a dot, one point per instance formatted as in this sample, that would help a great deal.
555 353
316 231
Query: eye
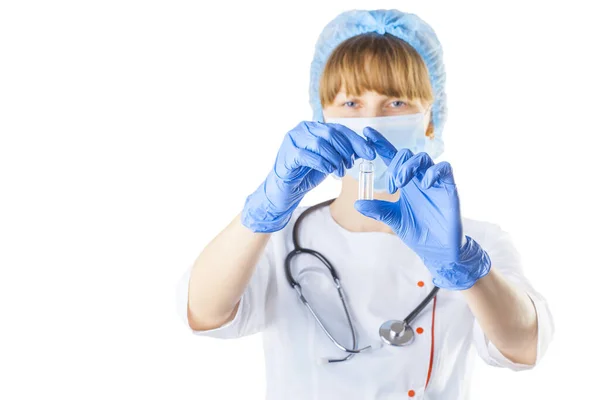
349 104
397 103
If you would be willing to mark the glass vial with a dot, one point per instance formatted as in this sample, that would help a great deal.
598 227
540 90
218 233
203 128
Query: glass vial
366 180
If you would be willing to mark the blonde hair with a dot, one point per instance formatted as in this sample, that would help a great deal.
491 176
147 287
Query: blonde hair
381 63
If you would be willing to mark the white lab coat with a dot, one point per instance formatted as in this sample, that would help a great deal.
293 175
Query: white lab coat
382 279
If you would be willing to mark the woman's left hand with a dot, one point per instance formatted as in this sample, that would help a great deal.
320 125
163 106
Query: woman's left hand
427 215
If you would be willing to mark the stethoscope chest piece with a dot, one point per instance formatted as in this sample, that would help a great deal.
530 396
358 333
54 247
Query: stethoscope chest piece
396 333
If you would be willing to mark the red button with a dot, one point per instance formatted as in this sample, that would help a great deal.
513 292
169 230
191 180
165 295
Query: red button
419 330
421 283
411 393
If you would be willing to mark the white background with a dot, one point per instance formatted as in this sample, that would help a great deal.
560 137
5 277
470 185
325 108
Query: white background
132 131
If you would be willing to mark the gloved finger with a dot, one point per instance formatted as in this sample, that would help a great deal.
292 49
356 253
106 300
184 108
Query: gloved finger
306 158
304 139
329 152
382 146
379 210
416 166
337 139
360 146
312 179
439 173
399 159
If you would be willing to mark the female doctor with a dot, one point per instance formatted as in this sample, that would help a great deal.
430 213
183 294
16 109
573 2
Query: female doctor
418 284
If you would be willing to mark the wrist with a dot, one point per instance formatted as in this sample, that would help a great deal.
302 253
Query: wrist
260 215
472 264
474 257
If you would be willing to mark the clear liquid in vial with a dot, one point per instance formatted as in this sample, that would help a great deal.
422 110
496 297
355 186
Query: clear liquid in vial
366 180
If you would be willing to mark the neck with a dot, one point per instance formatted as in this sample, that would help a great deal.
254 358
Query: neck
345 215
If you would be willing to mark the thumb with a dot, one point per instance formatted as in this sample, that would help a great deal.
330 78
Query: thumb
379 210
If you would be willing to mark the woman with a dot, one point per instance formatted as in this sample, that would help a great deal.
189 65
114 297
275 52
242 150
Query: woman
377 92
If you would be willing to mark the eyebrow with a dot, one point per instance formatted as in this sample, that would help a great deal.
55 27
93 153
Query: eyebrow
404 99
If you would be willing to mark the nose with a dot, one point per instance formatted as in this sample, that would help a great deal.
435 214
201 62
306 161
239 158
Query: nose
372 111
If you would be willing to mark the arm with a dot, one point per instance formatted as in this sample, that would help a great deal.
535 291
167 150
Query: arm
427 218
221 273
506 315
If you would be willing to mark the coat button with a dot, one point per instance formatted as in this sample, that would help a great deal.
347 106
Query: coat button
419 330
411 393
420 283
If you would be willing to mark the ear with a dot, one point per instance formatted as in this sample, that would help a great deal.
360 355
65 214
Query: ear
429 114
429 132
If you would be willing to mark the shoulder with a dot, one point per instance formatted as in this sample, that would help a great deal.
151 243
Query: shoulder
476 225
485 232
285 235
496 241
314 214
282 240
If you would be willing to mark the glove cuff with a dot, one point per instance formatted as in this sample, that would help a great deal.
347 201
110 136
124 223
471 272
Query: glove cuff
259 216
473 264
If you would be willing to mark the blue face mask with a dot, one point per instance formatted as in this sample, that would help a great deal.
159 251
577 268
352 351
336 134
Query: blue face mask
402 131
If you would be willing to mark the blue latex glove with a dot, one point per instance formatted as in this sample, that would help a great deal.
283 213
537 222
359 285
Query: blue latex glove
309 152
427 215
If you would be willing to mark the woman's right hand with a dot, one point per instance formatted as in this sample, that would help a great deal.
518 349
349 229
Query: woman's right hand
309 152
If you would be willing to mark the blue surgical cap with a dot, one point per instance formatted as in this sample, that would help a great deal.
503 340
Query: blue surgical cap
405 26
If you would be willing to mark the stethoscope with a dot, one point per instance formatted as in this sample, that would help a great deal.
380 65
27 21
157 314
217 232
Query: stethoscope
393 332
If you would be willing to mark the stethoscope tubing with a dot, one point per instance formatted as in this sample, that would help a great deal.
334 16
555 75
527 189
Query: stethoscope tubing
298 288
